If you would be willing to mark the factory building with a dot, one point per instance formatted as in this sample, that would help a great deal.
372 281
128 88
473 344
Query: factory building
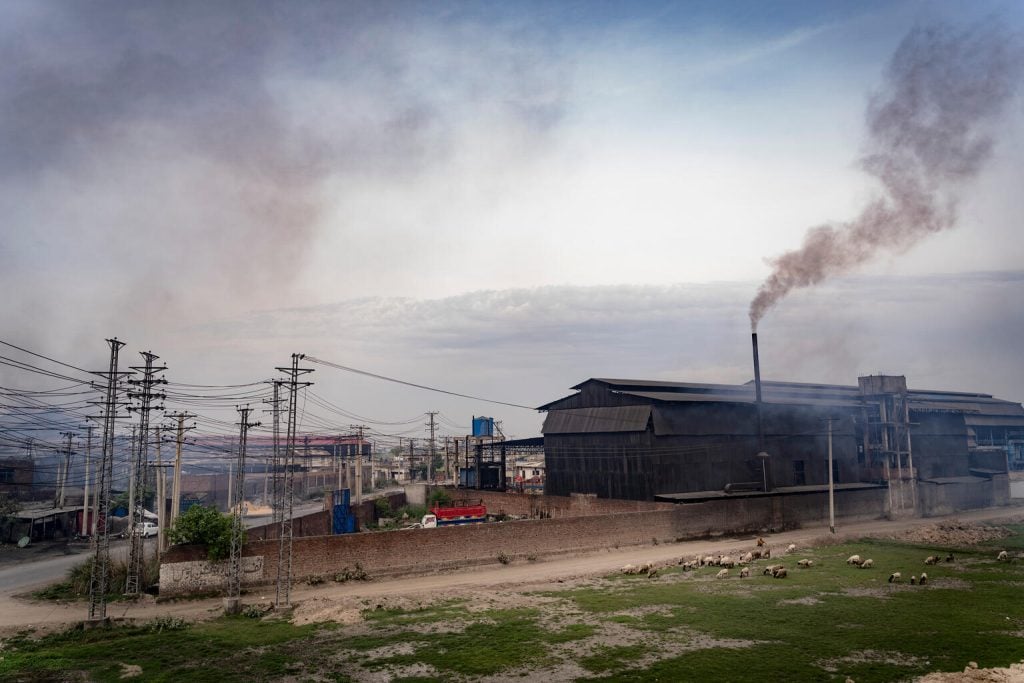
647 440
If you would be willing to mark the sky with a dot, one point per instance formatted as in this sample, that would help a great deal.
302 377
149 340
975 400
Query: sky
505 199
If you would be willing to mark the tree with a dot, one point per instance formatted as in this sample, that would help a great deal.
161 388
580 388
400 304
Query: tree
206 526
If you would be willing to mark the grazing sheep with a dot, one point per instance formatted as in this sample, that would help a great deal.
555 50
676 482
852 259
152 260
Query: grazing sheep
1003 556
629 569
755 554
913 580
726 561
867 564
646 567
745 573
652 573
722 573
791 547
780 573
923 580
746 558
771 569
806 563
895 577
854 559
931 559
708 561
950 558
760 542
767 554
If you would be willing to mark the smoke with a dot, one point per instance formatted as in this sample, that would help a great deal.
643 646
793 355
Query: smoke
170 160
930 132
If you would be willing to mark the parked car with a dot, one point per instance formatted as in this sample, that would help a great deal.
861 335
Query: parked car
147 529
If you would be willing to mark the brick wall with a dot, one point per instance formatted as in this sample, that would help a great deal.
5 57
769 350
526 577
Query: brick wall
541 506
422 550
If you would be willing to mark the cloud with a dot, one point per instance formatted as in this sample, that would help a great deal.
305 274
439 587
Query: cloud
530 345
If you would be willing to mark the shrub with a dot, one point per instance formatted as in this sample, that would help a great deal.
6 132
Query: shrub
504 558
166 623
204 526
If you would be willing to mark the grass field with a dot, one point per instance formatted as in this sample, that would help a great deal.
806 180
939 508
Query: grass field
825 623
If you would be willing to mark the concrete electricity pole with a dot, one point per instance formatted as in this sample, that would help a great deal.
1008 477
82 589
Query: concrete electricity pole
62 477
430 463
176 483
232 602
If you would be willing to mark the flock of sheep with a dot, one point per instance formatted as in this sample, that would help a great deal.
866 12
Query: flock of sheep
779 571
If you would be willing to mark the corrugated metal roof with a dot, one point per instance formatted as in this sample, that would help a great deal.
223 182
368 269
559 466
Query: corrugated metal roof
589 420
673 397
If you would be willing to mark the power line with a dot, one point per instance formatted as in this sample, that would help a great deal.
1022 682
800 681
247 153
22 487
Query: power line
414 385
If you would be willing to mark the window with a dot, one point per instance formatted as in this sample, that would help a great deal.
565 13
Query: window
6 475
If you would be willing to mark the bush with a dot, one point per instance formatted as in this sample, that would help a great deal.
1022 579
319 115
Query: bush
439 497
357 574
383 507
504 558
206 526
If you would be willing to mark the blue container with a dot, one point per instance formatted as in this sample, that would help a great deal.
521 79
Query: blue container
483 426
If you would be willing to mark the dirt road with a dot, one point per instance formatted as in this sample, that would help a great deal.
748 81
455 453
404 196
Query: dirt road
18 613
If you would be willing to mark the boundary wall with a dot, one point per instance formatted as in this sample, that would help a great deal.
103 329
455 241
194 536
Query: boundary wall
184 571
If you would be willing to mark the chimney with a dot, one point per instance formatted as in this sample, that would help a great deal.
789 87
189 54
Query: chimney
757 371
761 453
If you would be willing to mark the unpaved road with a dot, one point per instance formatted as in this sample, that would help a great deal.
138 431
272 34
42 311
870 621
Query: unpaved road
18 613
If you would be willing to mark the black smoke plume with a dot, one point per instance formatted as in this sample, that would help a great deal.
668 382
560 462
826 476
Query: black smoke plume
930 131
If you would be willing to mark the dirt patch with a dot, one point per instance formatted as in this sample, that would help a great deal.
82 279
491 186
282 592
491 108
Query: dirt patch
954 533
130 670
807 600
871 657
880 593
1011 674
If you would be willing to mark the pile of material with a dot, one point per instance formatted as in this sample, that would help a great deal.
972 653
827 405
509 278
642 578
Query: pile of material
954 533
972 674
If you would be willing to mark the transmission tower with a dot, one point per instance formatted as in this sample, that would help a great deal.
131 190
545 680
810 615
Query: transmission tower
140 454
104 475
237 513
284 552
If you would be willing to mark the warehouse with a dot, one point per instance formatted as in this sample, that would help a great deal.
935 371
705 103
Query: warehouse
647 440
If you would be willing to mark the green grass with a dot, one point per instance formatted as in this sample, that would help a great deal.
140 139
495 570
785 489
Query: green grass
820 624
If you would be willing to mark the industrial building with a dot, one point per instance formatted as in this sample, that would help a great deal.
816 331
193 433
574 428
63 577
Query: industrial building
677 441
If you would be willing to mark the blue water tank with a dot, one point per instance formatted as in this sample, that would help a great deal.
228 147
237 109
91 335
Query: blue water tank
483 426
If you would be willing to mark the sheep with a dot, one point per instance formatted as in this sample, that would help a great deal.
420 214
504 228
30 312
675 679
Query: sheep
931 559
950 558
652 573
791 547
895 577
923 580
755 554
913 580
722 573
780 573
760 542
771 569
629 569
726 561
708 561
745 573
1003 556
867 564
806 563
767 554
645 567
746 558
854 559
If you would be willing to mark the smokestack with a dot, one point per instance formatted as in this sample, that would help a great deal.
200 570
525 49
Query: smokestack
757 373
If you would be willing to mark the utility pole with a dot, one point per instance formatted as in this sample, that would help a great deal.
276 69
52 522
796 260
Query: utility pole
86 527
277 484
358 499
233 600
139 459
161 493
430 462
176 483
58 498
101 539
284 553
831 484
